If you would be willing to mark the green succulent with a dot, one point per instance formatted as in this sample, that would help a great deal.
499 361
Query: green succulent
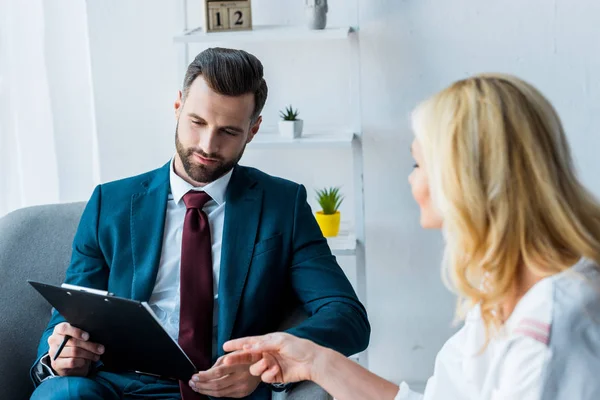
329 200
289 114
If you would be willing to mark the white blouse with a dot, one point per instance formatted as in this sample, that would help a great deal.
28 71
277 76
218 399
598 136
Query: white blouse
512 365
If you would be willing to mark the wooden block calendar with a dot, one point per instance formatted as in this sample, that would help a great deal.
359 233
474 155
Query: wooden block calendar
227 15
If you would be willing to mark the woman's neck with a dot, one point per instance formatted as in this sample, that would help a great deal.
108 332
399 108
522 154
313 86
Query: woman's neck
525 281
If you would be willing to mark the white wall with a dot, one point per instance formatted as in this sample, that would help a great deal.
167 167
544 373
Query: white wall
135 83
409 49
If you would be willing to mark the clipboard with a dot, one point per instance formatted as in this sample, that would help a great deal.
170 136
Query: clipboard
132 335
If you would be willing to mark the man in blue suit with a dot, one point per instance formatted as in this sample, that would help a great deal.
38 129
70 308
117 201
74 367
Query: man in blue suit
208 243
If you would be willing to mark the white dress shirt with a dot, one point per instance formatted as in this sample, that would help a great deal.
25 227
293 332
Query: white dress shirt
164 300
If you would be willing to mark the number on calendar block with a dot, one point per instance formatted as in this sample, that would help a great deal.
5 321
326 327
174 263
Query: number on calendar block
227 15
219 19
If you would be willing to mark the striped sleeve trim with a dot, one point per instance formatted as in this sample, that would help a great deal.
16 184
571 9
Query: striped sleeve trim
534 329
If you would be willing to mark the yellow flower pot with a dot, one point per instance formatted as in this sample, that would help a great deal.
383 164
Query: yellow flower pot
329 223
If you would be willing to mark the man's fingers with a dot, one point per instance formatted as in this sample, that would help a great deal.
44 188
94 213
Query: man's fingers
65 328
210 387
78 352
56 339
89 346
214 373
219 362
227 381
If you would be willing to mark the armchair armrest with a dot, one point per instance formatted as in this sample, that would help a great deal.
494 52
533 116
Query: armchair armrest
303 391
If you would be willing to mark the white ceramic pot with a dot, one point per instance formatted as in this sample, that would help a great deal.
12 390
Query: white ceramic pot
316 13
290 129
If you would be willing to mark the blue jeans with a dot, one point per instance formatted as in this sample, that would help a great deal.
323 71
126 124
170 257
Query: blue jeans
105 385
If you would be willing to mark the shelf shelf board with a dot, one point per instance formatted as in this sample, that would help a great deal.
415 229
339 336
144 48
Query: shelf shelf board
343 245
315 139
264 33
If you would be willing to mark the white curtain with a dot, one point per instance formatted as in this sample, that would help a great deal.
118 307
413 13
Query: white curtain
27 154
48 146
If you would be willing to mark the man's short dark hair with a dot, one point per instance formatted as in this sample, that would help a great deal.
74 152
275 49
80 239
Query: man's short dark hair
231 73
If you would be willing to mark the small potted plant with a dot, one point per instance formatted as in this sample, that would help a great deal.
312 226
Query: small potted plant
316 13
329 216
290 126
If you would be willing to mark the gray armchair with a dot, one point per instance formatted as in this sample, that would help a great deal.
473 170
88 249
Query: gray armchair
35 243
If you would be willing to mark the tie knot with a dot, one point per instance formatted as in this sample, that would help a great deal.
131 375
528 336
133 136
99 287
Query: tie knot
196 199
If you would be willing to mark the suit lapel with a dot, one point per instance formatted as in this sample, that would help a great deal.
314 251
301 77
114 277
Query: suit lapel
242 216
148 209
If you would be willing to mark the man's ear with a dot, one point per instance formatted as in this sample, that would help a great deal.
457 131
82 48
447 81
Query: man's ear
254 129
178 104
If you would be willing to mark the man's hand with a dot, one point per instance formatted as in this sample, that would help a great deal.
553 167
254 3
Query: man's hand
225 380
75 359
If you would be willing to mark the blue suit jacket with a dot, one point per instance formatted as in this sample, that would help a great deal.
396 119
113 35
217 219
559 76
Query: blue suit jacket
273 257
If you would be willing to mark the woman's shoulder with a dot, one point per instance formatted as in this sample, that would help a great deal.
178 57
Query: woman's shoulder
563 296
532 317
575 334
576 300
578 285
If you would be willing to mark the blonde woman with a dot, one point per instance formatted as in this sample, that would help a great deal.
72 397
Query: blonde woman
494 172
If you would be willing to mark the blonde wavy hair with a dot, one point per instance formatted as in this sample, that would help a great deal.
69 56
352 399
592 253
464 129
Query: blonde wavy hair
502 178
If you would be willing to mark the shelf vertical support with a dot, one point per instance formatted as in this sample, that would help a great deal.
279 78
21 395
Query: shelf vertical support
360 258
358 171
184 52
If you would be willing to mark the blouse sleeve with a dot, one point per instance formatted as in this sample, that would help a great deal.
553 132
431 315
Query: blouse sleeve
406 394
521 373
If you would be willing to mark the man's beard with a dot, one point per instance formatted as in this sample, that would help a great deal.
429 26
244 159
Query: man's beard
204 173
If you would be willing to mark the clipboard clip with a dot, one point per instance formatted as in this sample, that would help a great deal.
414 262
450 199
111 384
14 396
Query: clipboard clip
88 290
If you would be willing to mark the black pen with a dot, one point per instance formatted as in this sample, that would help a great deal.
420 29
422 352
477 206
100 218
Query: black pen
61 347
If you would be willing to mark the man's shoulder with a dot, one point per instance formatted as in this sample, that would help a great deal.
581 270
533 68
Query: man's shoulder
268 181
132 184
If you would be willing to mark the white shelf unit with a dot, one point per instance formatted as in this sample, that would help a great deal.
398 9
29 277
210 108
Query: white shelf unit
348 242
344 244
262 33
272 139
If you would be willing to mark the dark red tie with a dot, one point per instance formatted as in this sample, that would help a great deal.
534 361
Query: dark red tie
196 288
